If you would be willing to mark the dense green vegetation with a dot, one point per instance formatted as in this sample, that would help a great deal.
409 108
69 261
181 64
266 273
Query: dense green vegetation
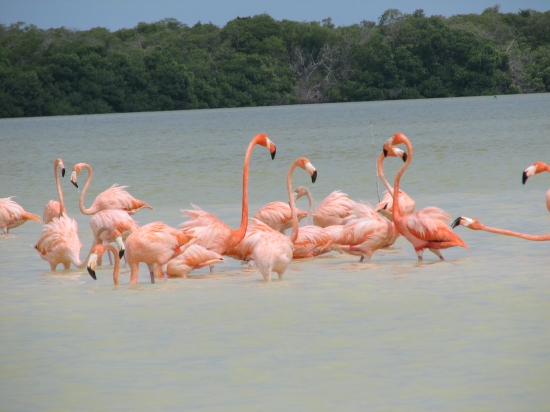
257 61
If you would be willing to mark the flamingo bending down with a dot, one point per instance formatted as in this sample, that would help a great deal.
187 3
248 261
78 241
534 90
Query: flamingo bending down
154 244
13 215
194 257
427 228
365 234
113 198
534 169
477 225
278 216
112 219
274 251
53 208
333 210
95 254
212 233
385 206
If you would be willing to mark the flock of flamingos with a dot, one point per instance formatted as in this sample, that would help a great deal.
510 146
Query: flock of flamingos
339 224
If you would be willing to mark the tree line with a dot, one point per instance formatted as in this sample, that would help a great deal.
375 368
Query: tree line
259 61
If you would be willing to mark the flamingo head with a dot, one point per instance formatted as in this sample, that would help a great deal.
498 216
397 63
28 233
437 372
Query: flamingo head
300 191
263 140
97 251
76 170
119 242
397 138
468 222
397 152
535 168
305 164
61 166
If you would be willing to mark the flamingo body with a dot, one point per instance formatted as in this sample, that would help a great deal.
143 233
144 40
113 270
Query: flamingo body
333 210
194 257
59 243
278 216
13 215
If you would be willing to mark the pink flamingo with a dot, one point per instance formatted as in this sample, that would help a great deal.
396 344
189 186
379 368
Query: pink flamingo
194 257
534 169
154 244
477 225
113 198
112 219
385 206
95 255
211 232
277 215
427 228
333 210
273 251
365 234
13 215
53 208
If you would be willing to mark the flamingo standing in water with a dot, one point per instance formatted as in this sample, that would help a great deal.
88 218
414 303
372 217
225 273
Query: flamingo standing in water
154 244
113 198
95 254
13 215
534 169
427 228
278 216
112 219
385 206
273 250
194 257
477 225
53 208
211 232
333 210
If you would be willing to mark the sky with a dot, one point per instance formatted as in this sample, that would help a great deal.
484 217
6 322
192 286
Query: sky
117 14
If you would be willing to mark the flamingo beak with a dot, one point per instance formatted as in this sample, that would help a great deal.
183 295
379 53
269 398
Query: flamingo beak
274 152
121 248
385 151
456 222
63 172
314 177
73 179
524 177
404 157
91 265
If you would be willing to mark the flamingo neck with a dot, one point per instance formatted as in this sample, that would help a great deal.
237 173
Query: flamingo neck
381 173
239 234
116 268
293 211
396 211
310 209
515 234
59 190
85 211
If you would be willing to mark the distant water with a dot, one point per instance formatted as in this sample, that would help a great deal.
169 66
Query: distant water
470 333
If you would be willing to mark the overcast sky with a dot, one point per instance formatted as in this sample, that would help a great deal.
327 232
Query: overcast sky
117 14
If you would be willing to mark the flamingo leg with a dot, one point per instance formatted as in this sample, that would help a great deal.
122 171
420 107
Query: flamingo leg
419 253
437 253
67 265
362 259
152 274
164 269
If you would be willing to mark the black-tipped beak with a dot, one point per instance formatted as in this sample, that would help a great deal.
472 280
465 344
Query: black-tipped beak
456 222
63 172
525 177
121 253
273 153
314 177
75 184
385 206
385 152
92 273
404 156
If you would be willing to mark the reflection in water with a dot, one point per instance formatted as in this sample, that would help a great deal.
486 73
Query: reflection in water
471 331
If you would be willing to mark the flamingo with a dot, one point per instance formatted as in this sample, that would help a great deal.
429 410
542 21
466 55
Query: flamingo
53 208
211 232
365 233
113 198
277 215
112 219
154 244
273 251
95 254
194 257
534 169
385 206
13 215
333 210
427 228
477 225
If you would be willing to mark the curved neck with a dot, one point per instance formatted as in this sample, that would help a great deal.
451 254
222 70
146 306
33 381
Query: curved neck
396 211
59 190
239 234
515 234
293 211
82 264
381 173
310 209
88 181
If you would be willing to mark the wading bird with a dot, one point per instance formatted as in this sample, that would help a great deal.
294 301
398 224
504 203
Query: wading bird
534 169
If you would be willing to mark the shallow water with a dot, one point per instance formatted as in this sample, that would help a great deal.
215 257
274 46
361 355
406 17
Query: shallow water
470 333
